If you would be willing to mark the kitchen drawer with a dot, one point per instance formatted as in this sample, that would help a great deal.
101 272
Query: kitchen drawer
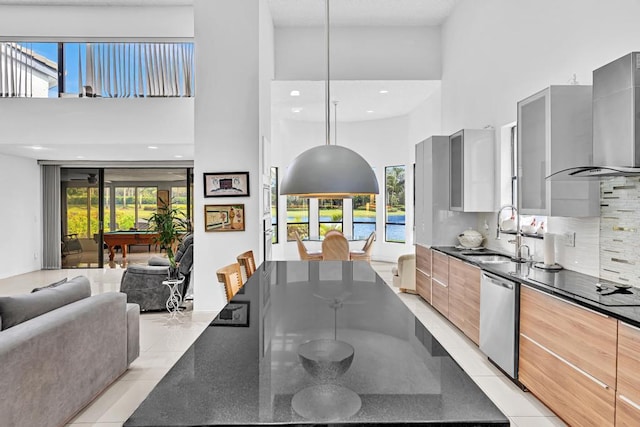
423 285
456 293
583 337
627 412
472 302
423 259
575 396
440 296
629 362
440 267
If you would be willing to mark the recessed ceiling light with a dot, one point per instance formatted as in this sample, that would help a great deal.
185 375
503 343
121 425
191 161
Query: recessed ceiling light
369 111
296 110
295 93
37 147
178 156
79 157
384 91
152 147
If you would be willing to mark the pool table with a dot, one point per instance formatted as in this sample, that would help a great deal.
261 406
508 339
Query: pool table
126 238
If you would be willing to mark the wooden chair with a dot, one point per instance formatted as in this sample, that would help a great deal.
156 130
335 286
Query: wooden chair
232 279
333 231
302 250
248 264
335 247
365 253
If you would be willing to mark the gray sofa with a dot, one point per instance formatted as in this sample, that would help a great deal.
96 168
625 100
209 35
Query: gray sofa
143 283
59 348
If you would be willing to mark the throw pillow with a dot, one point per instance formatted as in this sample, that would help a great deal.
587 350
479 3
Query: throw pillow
20 308
53 285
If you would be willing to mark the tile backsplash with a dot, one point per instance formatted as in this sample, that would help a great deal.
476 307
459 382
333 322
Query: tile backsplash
619 230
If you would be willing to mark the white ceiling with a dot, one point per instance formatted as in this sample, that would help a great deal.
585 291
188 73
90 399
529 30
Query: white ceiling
354 98
357 100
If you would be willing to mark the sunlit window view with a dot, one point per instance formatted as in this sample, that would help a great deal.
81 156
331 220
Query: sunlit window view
364 215
330 215
395 208
297 217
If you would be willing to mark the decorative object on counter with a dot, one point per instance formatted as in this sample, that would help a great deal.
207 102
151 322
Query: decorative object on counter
470 238
529 228
541 229
508 225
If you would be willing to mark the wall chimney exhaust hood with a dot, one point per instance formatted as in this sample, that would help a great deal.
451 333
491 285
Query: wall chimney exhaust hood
616 122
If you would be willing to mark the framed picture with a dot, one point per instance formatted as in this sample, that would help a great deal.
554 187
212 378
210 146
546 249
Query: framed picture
226 184
224 218
233 314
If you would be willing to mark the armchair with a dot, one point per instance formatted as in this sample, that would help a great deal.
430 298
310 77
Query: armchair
143 283
404 274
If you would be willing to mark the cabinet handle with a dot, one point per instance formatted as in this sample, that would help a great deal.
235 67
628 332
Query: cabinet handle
439 282
565 361
629 402
423 272
568 302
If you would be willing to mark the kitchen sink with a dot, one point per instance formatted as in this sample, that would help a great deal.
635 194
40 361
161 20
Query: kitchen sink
489 259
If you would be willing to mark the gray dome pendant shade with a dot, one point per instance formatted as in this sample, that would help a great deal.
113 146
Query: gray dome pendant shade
329 171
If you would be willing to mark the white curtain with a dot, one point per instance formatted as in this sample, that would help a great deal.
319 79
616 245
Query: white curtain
123 70
16 70
51 218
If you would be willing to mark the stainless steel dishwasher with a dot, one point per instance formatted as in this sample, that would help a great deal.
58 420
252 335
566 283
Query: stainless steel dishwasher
499 321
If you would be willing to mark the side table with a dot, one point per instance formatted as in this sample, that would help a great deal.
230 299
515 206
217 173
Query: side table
175 297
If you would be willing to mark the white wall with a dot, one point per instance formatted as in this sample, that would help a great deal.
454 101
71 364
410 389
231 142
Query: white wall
387 142
21 248
95 121
62 23
359 53
227 130
497 52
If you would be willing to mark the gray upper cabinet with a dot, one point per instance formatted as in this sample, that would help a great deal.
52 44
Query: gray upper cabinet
554 133
472 172
435 224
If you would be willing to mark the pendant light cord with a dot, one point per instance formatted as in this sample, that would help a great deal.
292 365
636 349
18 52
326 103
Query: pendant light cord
327 91
335 122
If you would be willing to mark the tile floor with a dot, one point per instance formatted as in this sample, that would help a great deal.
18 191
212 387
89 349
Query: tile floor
163 341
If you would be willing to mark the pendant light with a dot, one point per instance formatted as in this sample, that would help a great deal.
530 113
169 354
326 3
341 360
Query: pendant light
329 171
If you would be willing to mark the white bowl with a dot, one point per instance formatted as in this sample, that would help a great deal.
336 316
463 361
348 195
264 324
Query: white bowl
470 239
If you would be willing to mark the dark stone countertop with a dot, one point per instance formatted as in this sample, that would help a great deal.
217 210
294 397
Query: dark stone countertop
251 374
566 284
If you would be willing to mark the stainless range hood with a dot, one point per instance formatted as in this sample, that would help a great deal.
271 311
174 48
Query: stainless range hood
616 122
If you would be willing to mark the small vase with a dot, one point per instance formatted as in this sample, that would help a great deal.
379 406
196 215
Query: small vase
173 273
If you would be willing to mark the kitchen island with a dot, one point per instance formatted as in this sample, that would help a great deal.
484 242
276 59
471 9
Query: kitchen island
246 368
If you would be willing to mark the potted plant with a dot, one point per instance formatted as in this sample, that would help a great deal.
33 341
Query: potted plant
169 224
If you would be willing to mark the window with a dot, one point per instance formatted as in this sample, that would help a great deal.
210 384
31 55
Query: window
395 206
330 215
364 215
297 217
28 70
179 199
134 205
274 203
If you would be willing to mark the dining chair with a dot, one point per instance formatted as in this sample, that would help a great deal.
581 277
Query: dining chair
335 247
333 231
365 253
248 264
305 255
231 276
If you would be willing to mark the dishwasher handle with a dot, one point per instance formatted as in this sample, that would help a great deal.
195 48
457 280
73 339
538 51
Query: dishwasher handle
497 281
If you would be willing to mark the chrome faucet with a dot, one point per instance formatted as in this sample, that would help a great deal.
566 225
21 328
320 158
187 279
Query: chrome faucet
518 239
519 252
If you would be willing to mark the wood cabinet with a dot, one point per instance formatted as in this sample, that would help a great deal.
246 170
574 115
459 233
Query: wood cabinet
568 357
628 381
577 398
464 297
554 133
471 171
440 282
423 272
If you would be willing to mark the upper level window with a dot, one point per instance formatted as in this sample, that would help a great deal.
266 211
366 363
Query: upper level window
395 208
28 70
